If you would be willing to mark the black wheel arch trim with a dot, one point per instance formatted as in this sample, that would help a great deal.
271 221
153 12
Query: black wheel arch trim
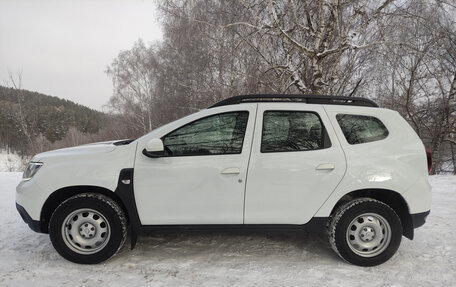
390 197
62 194
126 194
123 194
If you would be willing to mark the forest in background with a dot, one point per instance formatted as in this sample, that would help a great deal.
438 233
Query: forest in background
400 53
24 113
31 122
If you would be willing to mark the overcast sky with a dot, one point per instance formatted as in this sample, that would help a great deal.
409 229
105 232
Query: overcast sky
62 48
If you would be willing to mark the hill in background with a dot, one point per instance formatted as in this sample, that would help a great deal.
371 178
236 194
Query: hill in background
31 122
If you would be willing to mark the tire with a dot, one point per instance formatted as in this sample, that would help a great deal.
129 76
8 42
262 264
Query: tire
365 232
88 228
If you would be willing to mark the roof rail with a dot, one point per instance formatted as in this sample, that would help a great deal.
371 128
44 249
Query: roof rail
309 99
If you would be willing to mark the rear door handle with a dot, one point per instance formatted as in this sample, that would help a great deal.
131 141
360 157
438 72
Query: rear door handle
231 170
326 166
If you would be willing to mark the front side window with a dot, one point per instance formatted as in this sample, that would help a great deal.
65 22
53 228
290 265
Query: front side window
292 131
217 134
361 129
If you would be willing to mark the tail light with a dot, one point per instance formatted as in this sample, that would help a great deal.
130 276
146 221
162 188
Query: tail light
429 159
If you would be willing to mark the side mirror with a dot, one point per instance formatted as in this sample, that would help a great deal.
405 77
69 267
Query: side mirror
154 148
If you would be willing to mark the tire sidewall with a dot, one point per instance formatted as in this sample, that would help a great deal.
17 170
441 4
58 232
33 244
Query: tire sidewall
72 204
368 207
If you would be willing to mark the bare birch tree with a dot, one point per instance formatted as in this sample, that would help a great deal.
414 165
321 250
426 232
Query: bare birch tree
134 80
313 42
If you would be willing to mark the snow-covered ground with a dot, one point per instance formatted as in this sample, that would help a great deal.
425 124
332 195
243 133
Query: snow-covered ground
226 259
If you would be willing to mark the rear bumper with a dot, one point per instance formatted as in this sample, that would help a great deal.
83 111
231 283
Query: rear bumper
35 225
418 219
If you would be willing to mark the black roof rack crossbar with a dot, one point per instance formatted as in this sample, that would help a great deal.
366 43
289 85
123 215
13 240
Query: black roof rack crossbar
309 99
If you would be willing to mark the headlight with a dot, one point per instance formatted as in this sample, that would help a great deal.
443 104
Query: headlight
32 168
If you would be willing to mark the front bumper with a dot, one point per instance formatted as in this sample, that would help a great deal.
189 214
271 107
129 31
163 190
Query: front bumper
35 225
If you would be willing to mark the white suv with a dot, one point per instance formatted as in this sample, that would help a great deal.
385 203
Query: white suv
275 161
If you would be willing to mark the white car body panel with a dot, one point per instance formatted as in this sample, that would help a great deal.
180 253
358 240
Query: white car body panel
193 189
287 187
394 163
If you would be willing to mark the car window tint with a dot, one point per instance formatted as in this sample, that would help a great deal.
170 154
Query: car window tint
361 129
218 134
292 131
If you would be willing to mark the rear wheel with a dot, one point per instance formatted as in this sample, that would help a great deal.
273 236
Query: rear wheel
88 228
365 232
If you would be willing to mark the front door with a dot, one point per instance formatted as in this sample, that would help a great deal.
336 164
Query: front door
201 179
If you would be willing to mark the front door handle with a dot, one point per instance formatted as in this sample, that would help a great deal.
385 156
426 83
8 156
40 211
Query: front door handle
231 170
326 166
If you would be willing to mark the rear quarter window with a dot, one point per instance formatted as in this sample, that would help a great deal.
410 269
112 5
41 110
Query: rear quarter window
359 129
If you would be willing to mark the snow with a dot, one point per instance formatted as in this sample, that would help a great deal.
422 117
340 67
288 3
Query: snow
231 259
10 161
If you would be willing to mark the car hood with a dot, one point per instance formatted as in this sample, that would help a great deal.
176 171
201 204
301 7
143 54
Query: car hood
87 149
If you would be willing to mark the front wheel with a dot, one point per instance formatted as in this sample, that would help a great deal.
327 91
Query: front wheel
365 232
88 228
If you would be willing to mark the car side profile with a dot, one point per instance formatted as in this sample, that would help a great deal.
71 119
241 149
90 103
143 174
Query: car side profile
340 164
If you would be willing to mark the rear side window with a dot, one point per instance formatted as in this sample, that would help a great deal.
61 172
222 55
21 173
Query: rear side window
292 131
361 129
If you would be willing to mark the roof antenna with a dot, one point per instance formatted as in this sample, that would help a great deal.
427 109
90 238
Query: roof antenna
356 87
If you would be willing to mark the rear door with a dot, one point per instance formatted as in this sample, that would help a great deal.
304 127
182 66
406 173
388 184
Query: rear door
295 164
